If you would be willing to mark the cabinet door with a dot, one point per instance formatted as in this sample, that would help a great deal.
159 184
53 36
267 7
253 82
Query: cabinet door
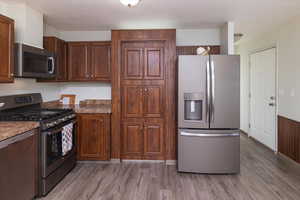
132 139
61 51
6 49
154 63
132 101
18 169
132 63
153 101
78 61
154 139
93 137
100 60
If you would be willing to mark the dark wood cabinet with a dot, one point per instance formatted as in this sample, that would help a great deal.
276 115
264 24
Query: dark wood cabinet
143 139
154 146
89 61
154 63
19 167
132 101
143 103
93 137
59 47
78 65
6 49
132 139
133 62
289 138
143 61
100 61
153 103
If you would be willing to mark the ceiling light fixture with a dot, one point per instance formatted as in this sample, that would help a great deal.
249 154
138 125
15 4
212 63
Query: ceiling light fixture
130 3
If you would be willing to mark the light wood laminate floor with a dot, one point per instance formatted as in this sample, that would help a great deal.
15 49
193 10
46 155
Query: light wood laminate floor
264 176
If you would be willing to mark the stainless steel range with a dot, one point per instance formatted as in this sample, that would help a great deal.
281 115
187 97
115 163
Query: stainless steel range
57 148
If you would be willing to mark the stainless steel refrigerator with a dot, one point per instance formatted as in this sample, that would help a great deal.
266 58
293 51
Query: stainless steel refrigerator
209 114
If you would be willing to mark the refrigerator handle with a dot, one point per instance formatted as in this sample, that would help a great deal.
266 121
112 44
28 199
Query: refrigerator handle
207 90
209 135
213 79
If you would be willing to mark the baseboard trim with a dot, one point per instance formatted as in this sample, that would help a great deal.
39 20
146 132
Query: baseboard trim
245 133
171 162
115 161
112 161
144 161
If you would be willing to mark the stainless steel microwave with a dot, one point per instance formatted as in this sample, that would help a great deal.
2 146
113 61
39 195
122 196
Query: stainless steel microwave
32 62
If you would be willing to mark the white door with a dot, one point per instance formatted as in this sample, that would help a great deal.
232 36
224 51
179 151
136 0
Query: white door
263 97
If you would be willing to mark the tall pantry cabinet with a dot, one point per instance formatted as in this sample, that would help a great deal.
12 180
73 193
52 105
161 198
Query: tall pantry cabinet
143 82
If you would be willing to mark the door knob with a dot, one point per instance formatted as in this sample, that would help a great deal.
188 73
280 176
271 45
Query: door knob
271 104
272 98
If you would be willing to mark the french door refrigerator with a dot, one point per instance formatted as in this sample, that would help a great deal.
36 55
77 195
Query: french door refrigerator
209 114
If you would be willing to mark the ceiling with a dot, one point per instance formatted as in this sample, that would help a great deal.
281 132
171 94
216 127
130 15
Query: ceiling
250 16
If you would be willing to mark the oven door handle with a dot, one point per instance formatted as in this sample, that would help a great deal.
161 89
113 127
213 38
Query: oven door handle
54 131
60 129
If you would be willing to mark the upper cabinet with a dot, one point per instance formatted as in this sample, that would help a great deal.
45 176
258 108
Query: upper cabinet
89 61
80 61
6 49
59 47
100 60
143 61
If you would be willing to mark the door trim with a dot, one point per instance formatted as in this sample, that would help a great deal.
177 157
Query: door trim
276 90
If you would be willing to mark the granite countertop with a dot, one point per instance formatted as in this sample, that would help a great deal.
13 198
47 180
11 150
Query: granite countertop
11 129
83 109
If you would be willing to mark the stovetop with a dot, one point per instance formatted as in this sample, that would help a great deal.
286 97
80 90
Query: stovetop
32 114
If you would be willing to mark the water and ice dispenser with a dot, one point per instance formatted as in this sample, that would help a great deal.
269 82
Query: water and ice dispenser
193 106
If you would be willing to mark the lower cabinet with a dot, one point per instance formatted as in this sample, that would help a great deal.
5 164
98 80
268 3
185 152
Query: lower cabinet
93 137
143 139
18 167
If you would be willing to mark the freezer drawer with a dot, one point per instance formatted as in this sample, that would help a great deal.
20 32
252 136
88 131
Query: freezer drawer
209 151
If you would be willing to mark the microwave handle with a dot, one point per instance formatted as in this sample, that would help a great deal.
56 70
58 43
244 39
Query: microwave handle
51 59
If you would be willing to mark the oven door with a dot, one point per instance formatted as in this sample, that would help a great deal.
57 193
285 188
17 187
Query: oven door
52 155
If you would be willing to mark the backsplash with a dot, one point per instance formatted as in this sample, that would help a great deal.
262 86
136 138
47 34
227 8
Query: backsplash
49 91
85 91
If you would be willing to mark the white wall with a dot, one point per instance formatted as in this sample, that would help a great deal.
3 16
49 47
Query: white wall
51 31
194 37
49 91
286 39
29 30
185 37
227 38
85 35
